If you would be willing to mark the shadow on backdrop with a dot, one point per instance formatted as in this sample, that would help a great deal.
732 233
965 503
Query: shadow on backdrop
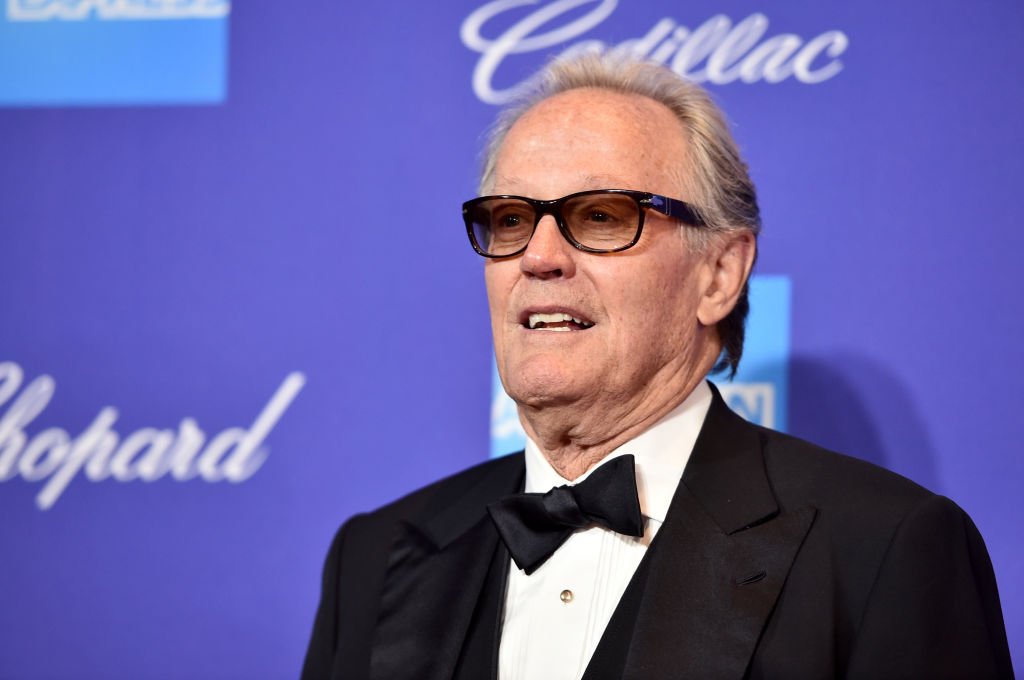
852 404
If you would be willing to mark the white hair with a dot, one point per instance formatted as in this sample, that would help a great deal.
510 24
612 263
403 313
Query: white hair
723 193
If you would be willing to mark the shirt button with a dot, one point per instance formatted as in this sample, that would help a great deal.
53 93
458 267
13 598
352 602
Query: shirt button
565 596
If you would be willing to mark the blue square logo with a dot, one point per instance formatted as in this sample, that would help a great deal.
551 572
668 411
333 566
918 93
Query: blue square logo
760 390
113 52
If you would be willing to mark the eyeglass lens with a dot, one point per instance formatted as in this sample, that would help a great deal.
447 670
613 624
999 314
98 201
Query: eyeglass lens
503 226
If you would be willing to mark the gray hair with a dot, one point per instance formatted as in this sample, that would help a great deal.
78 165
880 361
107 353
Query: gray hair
719 184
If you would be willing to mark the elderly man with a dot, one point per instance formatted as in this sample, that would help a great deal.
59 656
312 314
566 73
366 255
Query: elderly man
646 531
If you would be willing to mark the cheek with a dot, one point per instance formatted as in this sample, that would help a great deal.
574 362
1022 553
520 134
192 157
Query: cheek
657 306
499 285
492 282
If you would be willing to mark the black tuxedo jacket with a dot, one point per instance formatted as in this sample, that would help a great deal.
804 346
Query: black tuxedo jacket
777 559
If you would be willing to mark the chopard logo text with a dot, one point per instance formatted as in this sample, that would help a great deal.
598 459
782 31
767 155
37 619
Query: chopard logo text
53 457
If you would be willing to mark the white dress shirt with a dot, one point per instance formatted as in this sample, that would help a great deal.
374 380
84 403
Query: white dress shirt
555 617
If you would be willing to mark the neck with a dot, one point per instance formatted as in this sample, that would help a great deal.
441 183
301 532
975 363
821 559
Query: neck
575 437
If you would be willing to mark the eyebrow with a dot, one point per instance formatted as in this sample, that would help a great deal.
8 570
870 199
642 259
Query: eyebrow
589 182
602 182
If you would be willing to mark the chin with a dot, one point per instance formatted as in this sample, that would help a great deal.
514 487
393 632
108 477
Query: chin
542 382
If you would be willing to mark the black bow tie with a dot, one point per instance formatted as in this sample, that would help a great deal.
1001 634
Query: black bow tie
534 525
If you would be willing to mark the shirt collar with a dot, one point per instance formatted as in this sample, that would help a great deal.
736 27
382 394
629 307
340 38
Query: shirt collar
661 454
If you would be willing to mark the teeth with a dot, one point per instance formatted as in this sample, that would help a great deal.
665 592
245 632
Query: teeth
548 318
557 317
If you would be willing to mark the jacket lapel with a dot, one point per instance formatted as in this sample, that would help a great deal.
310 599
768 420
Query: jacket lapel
436 572
719 561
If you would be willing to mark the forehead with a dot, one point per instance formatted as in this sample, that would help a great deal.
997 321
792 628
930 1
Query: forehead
592 138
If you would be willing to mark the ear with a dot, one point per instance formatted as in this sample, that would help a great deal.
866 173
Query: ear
730 259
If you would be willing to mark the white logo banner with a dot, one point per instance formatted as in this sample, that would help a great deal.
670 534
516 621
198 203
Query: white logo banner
719 50
54 457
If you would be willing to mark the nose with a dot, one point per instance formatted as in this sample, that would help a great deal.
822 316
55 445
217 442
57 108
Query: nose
548 255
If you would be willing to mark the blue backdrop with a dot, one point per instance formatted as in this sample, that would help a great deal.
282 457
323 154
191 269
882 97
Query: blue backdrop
238 304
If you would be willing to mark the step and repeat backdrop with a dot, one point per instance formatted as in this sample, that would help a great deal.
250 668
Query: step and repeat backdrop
238 303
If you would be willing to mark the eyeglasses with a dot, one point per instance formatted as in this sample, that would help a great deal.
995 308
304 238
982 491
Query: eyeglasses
598 221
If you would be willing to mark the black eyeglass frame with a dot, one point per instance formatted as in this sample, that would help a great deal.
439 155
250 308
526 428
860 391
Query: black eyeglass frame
670 207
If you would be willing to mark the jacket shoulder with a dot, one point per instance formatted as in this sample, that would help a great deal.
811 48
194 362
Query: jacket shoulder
358 560
482 483
446 506
911 587
805 473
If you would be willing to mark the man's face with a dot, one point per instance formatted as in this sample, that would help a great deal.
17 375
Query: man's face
646 338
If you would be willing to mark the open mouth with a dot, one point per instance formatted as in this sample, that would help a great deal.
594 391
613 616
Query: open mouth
557 321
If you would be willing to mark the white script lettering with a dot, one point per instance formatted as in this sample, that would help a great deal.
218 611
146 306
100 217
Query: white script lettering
54 458
728 52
